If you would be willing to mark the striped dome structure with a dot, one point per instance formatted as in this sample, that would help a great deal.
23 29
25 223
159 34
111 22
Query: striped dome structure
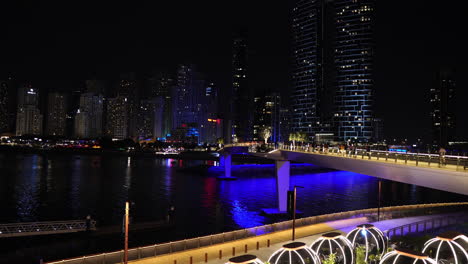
334 242
406 256
292 253
450 247
370 237
245 259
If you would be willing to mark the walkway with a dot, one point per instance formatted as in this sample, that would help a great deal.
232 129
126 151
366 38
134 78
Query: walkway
304 234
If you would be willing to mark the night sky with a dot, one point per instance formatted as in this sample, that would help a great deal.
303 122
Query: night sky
59 44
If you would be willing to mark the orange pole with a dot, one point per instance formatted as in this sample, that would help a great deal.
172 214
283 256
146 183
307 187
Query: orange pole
127 209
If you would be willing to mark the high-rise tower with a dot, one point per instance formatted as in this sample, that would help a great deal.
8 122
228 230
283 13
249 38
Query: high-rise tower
354 51
4 111
306 30
28 117
241 115
442 99
56 114
332 68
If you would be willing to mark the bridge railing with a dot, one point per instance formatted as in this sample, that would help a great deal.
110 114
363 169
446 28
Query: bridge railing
409 158
193 243
42 228
426 225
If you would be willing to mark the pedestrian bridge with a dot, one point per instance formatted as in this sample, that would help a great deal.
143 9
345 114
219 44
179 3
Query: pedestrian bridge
446 173
45 228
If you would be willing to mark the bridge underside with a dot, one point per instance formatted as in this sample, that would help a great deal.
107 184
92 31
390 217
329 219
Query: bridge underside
436 178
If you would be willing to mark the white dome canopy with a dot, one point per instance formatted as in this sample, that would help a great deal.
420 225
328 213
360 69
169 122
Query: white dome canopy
370 237
449 246
336 243
292 253
244 259
405 256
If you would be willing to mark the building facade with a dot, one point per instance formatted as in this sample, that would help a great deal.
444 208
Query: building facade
332 78
4 111
240 114
442 100
267 116
151 118
118 117
28 117
354 52
306 66
160 85
56 114
89 117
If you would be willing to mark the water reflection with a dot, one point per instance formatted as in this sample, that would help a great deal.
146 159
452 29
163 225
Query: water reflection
69 187
27 188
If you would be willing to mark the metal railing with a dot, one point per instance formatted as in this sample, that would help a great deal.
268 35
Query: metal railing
425 225
44 228
187 244
459 163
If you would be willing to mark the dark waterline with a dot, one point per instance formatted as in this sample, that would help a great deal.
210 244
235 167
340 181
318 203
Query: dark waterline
53 187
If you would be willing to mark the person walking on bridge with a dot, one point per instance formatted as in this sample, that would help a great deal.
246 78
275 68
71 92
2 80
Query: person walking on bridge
442 156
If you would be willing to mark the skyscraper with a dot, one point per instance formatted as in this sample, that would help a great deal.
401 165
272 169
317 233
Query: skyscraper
56 114
442 99
4 117
187 97
242 95
354 51
150 118
307 63
332 68
160 85
212 125
88 120
117 117
28 117
267 116
129 89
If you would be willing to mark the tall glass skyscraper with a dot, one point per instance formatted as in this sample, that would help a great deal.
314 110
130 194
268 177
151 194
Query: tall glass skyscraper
354 50
442 100
332 69
242 96
306 30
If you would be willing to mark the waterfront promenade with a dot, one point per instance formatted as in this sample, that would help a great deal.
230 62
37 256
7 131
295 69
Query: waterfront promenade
305 234
263 240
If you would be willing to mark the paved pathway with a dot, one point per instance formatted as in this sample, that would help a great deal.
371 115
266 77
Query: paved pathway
305 234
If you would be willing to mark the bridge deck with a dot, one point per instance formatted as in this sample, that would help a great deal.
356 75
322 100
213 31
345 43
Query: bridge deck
449 173
433 161
44 228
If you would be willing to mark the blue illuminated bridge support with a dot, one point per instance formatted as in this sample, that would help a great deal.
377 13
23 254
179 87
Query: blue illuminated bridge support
282 173
226 161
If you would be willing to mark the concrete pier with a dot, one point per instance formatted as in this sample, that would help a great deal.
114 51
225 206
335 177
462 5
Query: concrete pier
226 161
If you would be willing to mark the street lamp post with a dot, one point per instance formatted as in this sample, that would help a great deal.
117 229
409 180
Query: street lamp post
294 213
127 209
380 196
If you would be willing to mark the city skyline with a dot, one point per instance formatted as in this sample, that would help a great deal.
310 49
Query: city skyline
406 61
